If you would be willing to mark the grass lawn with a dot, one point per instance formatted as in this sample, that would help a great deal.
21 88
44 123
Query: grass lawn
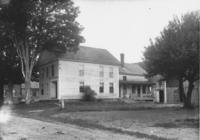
133 119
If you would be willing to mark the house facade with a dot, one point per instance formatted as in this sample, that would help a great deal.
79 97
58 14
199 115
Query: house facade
63 76
132 82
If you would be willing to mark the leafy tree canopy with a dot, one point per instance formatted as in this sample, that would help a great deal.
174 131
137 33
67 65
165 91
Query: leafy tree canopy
32 26
175 53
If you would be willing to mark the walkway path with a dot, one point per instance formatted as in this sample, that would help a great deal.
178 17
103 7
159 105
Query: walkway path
19 128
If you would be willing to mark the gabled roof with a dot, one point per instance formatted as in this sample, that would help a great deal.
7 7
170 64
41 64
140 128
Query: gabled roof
91 55
132 69
84 54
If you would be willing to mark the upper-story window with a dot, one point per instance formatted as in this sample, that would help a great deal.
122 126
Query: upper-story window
101 87
124 78
111 72
101 72
52 70
81 70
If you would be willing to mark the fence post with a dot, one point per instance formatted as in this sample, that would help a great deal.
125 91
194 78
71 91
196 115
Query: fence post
62 103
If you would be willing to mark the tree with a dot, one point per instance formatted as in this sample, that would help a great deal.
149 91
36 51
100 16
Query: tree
175 53
36 25
9 67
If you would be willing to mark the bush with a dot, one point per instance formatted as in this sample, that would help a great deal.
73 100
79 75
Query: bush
88 94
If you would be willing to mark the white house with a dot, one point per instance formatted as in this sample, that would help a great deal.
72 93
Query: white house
62 76
132 82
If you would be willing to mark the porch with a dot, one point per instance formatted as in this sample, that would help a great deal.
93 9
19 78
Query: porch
136 90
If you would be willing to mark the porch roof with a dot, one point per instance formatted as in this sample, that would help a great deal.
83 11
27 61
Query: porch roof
136 82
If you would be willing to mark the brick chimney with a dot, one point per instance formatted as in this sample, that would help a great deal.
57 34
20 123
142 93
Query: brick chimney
122 59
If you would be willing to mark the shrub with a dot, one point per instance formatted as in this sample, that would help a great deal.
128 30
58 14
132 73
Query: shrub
88 94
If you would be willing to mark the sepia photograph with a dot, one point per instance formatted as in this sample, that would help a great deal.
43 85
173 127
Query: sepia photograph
99 69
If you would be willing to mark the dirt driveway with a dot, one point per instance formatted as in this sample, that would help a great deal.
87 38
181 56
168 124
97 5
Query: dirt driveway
29 129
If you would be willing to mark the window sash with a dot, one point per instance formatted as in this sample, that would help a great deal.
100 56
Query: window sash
101 88
111 88
81 87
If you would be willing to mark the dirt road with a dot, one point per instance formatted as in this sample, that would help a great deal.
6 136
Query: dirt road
19 128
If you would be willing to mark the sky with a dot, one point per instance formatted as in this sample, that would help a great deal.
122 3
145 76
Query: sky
126 26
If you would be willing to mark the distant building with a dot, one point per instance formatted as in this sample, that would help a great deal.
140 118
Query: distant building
167 91
18 91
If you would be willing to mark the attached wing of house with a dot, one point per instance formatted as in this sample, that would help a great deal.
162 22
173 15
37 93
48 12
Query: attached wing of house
132 82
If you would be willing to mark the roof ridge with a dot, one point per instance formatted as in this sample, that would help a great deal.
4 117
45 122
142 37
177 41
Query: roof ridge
92 47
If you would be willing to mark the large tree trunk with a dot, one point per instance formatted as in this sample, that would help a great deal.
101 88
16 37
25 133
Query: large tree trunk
10 91
187 103
28 90
181 90
27 64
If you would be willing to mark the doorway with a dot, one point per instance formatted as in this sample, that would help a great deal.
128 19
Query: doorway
54 89
124 91
161 96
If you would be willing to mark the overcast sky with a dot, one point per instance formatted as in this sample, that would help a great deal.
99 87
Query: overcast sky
125 26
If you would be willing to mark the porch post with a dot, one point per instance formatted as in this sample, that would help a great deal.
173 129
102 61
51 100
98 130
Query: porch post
141 92
165 92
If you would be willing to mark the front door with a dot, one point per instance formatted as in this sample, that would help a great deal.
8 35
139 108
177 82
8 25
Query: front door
161 96
124 91
54 90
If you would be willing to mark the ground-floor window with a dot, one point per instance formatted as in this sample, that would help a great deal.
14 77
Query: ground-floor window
133 88
149 90
111 87
138 89
144 89
101 87
81 87
42 89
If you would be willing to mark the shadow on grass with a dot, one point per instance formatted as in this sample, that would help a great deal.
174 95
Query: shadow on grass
184 123
51 108
93 125
46 116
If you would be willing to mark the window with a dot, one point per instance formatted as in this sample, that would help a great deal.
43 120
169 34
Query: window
81 87
81 70
149 90
111 72
47 72
101 88
101 72
14 93
52 70
111 87
138 89
133 89
124 78
42 90
144 89
47 91
34 93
